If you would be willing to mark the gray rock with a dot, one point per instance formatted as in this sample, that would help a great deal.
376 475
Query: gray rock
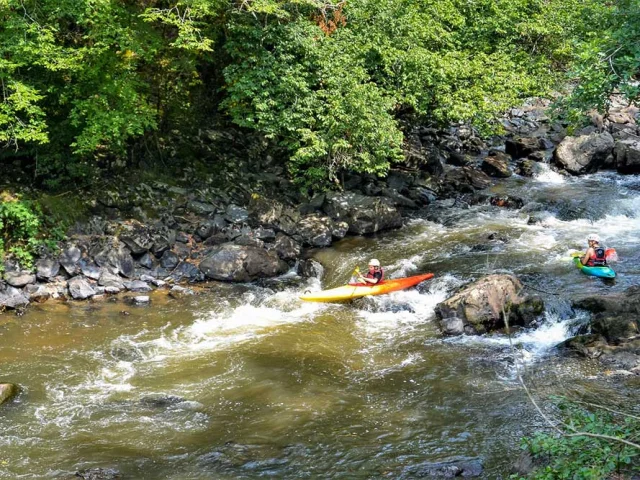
496 165
137 286
108 279
627 156
47 268
178 292
38 293
520 147
80 288
146 261
236 263
363 214
137 239
201 208
169 260
69 259
286 247
117 257
19 279
584 154
112 290
142 299
236 214
186 271
11 297
99 474
315 230
310 268
90 269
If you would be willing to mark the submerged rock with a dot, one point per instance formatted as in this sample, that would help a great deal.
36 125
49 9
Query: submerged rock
7 392
99 474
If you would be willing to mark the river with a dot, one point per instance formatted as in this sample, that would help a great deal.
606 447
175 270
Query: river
247 381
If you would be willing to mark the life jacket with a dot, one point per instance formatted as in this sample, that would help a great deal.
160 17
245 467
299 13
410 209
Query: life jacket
600 258
372 275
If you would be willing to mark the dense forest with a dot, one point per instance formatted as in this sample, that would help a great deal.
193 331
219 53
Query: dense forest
330 85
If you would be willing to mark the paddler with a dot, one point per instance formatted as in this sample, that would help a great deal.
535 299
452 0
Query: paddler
596 253
374 275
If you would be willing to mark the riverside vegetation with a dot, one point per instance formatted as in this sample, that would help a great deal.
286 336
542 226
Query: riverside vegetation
92 91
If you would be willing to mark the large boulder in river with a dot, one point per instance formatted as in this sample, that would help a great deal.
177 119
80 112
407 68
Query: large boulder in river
627 156
11 297
497 165
584 154
240 263
480 306
7 392
363 214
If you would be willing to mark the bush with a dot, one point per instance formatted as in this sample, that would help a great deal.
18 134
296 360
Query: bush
585 457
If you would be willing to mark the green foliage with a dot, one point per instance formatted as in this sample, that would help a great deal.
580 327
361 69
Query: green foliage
606 57
585 457
333 84
21 230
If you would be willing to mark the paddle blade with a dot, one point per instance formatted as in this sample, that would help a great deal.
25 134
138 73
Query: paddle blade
611 255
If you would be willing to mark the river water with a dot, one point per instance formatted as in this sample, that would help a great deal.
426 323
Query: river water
246 381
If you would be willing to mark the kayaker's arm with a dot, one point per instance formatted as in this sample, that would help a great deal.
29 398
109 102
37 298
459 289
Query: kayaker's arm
585 259
368 280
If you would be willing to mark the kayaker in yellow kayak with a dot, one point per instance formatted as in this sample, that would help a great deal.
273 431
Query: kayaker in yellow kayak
374 275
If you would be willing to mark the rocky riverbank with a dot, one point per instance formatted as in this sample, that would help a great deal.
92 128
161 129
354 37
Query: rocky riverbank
250 223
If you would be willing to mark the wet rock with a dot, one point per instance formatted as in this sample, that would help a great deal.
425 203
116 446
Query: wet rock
311 269
179 292
584 154
363 214
339 230
286 247
99 474
266 212
19 279
187 272
47 268
112 290
497 165
248 240
182 237
480 306
469 468
236 263
161 401
38 293
589 346
265 234
141 300
7 392
460 159
476 178
162 241
398 199
627 156
520 147
137 286
11 297
527 168
80 288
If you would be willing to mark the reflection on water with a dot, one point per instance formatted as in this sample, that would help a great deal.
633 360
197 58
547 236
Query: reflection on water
246 381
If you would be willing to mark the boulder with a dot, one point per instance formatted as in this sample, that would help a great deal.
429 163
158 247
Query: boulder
286 247
480 306
584 154
7 392
315 230
47 268
137 286
19 279
116 256
363 214
38 293
497 165
237 263
80 288
69 259
186 272
11 297
110 280
137 238
520 147
627 156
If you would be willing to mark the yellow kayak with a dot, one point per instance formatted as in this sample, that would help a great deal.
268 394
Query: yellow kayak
357 290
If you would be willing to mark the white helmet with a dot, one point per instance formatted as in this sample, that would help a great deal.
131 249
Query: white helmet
593 237
374 262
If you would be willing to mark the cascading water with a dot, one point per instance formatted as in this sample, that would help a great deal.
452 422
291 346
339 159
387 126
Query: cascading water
248 381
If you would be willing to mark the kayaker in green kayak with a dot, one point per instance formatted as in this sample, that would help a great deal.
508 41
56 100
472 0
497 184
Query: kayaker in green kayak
374 275
596 255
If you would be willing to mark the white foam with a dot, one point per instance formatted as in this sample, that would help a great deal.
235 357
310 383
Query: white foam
548 176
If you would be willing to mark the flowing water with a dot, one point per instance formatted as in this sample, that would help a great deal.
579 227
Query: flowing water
247 381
